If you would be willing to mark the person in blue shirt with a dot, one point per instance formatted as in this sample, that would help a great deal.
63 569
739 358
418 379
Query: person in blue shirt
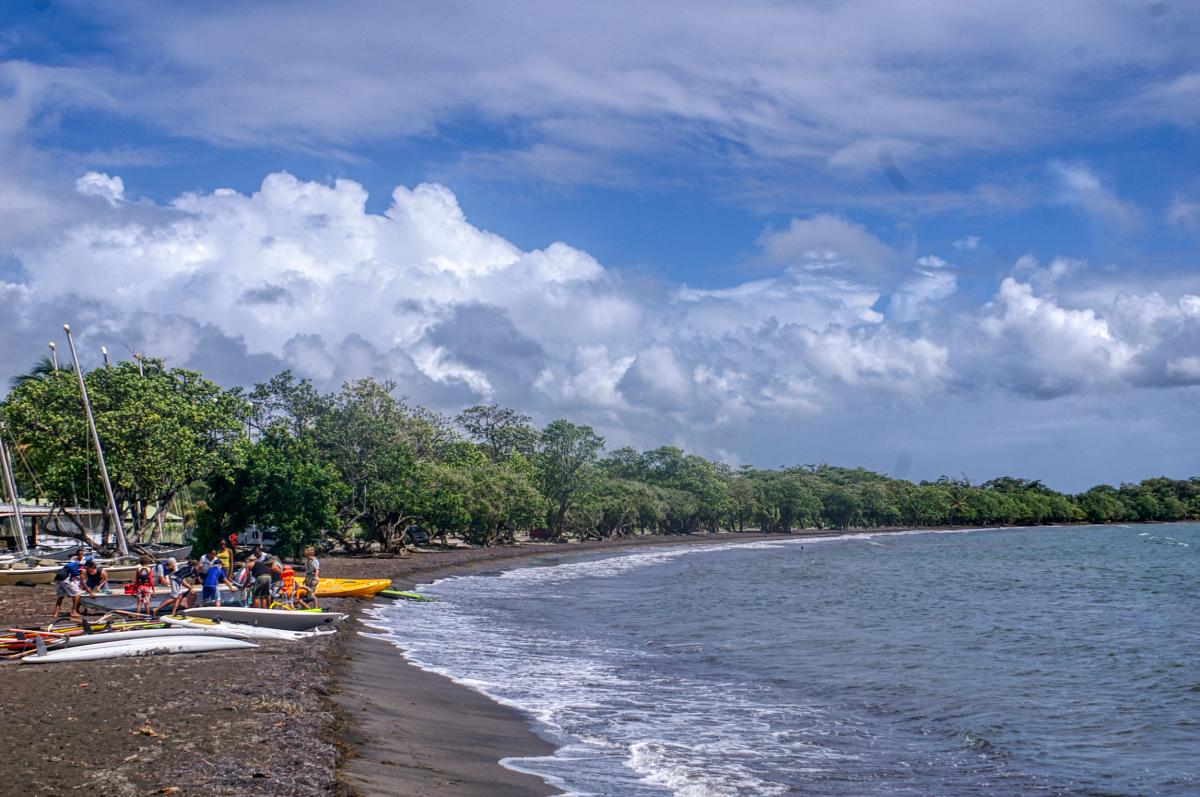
210 595
67 584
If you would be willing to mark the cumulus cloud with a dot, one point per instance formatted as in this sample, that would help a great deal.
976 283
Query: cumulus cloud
826 242
110 189
300 274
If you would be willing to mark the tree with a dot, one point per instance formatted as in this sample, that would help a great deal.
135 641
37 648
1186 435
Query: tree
287 401
499 431
565 464
282 486
161 430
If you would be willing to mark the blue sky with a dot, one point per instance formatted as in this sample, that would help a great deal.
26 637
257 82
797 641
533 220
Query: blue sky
862 233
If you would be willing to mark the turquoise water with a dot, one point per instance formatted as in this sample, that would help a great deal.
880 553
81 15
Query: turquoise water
1033 661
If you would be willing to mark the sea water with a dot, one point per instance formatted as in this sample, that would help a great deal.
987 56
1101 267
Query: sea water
1042 661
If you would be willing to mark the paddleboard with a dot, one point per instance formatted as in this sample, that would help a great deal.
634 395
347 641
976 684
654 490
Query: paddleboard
141 647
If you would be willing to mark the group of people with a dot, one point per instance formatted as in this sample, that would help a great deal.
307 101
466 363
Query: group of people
261 580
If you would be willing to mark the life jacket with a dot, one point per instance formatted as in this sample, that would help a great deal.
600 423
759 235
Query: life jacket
142 579
288 578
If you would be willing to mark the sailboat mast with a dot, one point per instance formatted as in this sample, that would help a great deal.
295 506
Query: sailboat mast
87 410
11 484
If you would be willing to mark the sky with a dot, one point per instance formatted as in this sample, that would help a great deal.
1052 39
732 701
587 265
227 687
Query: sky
926 238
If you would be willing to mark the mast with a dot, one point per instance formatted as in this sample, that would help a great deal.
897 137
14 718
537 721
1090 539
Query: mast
11 485
87 410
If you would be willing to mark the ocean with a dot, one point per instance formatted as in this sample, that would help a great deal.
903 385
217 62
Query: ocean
1040 661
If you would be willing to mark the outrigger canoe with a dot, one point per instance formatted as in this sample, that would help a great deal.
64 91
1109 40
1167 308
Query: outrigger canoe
140 647
288 619
351 587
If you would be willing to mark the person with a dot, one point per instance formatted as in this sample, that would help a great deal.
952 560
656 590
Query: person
143 585
312 577
242 580
95 578
66 585
276 578
225 556
287 586
189 576
174 582
261 591
213 579
207 560
233 542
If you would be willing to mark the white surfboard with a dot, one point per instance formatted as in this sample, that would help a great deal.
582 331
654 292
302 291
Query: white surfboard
141 647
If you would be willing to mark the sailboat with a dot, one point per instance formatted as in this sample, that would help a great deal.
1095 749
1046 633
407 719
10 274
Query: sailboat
44 570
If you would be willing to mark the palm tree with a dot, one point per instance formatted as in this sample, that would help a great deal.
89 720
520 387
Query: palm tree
40 371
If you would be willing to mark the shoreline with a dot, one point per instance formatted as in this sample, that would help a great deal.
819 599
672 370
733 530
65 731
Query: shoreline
379 760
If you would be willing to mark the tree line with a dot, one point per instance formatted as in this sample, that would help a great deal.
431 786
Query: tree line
361 467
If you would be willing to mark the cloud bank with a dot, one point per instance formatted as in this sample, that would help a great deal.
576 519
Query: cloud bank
299 274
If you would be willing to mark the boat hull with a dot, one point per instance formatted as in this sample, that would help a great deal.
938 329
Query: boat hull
351 587
269 618
141 647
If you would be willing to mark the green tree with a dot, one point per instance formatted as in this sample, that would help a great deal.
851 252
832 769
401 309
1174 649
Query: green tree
499 431
566 463
161 430
282 486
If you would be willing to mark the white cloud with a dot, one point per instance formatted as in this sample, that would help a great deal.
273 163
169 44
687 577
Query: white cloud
110 189
817 84
968 244
299 274
1080 187
826 242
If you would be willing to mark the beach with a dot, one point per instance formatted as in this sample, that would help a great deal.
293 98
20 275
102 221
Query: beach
344 715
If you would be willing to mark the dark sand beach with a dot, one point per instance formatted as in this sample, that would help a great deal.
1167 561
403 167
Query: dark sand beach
344 715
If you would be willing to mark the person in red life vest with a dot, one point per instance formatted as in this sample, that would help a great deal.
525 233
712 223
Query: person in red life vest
143 585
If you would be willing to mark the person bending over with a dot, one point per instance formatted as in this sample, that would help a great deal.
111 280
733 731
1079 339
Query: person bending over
95 578
213 579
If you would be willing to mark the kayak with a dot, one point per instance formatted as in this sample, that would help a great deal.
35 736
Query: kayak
240 630
270 618
140 647
351 587
396 594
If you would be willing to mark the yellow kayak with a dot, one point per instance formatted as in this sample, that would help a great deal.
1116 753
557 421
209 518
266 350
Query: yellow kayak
351 587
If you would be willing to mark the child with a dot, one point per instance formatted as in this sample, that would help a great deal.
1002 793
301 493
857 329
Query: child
143 585
312 576
213 579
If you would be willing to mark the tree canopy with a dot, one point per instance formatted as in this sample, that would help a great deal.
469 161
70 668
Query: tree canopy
361 467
